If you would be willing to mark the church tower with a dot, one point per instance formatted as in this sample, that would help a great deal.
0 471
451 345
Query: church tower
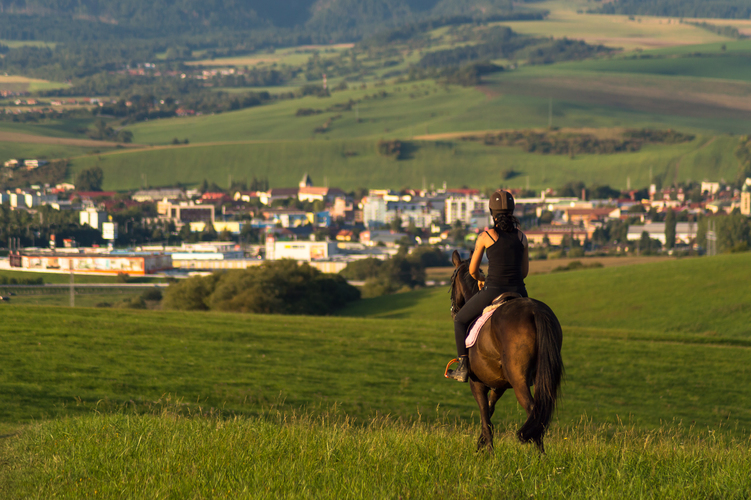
306 181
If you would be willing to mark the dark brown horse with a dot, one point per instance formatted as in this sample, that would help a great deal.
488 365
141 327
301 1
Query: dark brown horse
520 346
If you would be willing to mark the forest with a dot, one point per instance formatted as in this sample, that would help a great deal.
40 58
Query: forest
722 9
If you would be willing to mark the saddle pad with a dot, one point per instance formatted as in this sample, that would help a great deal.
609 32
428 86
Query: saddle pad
474 331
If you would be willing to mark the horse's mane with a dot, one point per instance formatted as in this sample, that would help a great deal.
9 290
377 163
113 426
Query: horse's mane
468 282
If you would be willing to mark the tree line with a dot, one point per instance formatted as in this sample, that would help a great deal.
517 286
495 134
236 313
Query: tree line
723 9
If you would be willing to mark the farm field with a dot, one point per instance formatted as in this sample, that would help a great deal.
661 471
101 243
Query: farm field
17 83
642 32
350 164
88 396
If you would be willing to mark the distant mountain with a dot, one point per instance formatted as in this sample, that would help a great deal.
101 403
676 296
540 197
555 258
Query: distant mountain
722 9
64 20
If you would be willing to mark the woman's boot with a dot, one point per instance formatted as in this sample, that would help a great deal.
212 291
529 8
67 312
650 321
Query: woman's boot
462 372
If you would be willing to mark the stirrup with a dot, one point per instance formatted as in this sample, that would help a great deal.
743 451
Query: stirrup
446 372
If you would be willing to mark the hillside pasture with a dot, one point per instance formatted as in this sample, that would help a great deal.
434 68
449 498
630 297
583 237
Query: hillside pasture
144 403
633 353
282 456
42 151
350 164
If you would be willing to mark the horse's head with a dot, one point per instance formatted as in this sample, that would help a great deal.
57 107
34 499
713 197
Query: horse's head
463 286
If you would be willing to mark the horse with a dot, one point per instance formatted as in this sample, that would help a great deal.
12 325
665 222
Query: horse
518 347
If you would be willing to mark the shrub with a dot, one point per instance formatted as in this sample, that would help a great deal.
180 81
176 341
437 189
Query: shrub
275 287
391 149
153 294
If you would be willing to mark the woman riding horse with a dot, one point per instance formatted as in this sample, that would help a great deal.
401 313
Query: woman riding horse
508 265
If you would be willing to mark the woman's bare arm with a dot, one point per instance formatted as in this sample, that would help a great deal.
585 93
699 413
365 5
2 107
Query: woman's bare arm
474 264
525 256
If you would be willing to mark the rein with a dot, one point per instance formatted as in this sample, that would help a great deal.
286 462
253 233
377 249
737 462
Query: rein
468 283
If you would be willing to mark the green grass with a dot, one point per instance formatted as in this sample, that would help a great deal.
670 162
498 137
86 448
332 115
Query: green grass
355 163
69 128
632 352
140 404
695 300
36 150
167 456
724 67
59 278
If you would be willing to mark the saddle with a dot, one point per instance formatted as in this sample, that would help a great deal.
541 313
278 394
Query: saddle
477 324
500 300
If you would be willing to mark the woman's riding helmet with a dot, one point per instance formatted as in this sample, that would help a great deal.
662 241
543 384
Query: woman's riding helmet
501 202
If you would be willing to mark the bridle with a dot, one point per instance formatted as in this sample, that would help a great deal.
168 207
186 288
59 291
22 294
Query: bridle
467 282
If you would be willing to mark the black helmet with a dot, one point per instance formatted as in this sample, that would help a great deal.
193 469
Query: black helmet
501 202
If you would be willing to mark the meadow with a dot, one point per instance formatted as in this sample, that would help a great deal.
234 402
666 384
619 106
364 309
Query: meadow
350 164
262 406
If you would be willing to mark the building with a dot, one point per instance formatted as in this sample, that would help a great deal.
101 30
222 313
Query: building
386 238
268 197
300 250
746 197
92 217
462 208
555 235
94 263
153 195
685 232
182 213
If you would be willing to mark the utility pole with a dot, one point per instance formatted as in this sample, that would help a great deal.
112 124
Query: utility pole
72 288
550 113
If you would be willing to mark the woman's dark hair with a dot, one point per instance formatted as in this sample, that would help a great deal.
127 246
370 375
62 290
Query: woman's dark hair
505 222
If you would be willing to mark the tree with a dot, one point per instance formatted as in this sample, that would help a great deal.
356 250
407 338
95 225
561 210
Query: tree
670 224
275 287
90 179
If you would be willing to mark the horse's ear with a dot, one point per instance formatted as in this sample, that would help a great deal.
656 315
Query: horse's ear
456 259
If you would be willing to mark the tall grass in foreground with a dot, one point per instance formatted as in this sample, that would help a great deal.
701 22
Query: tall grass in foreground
298 456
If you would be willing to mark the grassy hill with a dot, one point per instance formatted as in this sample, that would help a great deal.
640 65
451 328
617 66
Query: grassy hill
668 329
350 164
230 405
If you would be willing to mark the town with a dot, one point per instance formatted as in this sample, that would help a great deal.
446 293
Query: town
208 228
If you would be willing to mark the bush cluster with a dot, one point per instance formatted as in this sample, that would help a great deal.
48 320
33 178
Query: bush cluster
274 287
390 149
572 144
403 271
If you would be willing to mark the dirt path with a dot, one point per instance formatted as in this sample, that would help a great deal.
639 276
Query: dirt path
64 141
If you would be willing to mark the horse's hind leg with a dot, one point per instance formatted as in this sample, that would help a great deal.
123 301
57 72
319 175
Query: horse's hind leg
495 395
480 392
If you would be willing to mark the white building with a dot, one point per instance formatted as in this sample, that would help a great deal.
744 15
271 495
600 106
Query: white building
685 232
92 217
461 208
374 211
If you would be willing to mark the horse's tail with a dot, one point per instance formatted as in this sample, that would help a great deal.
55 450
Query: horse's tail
549 373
